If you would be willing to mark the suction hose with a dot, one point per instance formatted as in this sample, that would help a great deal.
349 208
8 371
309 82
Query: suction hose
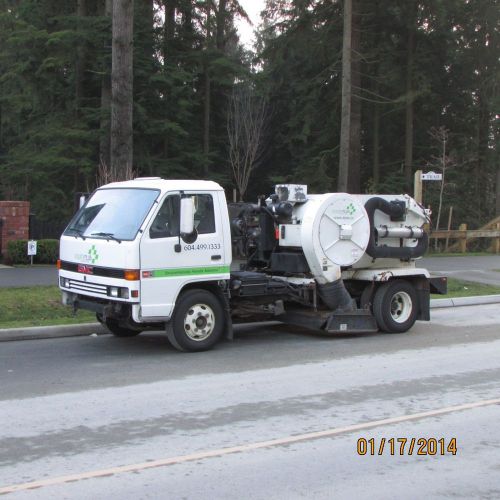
394 210
335 296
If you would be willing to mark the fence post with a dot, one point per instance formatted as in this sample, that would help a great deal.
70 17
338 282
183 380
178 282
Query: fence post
463 241
497 240
450 214
417 186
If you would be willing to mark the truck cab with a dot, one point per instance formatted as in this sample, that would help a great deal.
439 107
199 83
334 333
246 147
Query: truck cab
123 254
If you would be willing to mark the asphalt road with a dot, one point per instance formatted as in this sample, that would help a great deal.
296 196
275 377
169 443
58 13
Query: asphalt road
482 269
78 406
27 276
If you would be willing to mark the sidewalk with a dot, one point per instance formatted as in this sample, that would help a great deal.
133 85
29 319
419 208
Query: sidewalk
88 329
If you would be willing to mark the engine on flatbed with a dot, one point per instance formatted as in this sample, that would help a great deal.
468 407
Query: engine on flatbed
292 233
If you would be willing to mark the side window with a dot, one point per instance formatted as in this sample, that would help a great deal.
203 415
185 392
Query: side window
166 223
204 218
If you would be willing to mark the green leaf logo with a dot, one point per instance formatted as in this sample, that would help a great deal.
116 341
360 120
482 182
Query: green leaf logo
351 209
93 254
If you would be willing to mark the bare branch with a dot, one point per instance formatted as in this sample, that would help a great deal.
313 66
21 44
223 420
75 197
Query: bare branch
245 128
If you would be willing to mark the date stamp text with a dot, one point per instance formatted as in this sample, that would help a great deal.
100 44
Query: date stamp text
407 446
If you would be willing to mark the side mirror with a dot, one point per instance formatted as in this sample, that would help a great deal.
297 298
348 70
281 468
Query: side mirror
187 230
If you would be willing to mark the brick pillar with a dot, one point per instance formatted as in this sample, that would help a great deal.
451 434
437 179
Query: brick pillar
15 216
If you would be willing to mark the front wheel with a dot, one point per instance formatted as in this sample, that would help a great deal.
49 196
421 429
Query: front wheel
395 306
197 323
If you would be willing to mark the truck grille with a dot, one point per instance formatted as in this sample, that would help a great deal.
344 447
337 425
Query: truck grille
84 286
109 272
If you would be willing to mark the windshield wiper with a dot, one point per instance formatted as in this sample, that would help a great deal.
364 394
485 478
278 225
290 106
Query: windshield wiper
108 236
78 232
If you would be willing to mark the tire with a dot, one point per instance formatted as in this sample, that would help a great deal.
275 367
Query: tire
395 306
197 323
114 327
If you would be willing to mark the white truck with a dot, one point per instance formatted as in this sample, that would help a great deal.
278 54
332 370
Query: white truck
151 254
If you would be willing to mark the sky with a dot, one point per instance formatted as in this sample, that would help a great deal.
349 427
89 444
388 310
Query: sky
253 9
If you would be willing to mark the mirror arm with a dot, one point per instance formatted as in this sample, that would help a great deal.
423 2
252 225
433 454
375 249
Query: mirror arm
178 246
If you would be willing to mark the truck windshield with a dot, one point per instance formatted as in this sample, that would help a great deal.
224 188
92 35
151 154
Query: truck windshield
113 214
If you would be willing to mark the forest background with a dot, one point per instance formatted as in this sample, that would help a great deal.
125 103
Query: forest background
424 94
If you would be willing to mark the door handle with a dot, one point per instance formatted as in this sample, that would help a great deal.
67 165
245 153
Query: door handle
216 257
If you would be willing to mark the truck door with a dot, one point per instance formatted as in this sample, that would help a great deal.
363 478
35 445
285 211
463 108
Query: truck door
168 262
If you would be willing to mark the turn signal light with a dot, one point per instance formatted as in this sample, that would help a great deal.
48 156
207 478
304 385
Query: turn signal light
132 274
58 263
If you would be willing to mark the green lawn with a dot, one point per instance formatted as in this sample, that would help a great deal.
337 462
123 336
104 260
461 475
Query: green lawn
37 306
458 288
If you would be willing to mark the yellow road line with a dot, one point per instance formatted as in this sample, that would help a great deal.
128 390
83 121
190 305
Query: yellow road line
241 448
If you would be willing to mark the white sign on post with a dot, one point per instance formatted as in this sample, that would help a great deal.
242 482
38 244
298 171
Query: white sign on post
431 176
32 247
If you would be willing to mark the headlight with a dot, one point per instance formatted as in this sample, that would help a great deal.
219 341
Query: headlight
118 292
64 282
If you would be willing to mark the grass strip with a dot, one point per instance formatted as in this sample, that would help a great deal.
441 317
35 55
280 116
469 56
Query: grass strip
41 305
37 306
460 288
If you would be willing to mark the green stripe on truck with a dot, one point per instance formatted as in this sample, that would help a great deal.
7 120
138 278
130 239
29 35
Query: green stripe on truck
189 271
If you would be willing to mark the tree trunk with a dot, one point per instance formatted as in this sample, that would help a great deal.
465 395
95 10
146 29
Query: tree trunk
81 11
168 29
206 106
376 146
353 176
350 129
147 10
121 90
376 105
168 39
497 211
104 137
409 111
221 25
481 182
345 127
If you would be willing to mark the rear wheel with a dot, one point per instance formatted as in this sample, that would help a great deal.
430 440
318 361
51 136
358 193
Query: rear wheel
114 327
197 323
395 306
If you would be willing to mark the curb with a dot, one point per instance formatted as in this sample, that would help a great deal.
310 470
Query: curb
87 329
51 332
465 301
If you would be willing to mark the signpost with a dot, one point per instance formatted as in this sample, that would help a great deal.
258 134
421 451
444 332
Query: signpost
423 176
32 244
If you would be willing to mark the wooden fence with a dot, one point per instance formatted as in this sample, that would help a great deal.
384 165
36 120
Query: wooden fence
464 236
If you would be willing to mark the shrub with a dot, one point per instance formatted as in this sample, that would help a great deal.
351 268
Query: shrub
47 252
16 251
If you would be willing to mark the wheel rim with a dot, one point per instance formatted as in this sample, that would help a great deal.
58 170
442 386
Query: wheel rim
199 322
401 307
